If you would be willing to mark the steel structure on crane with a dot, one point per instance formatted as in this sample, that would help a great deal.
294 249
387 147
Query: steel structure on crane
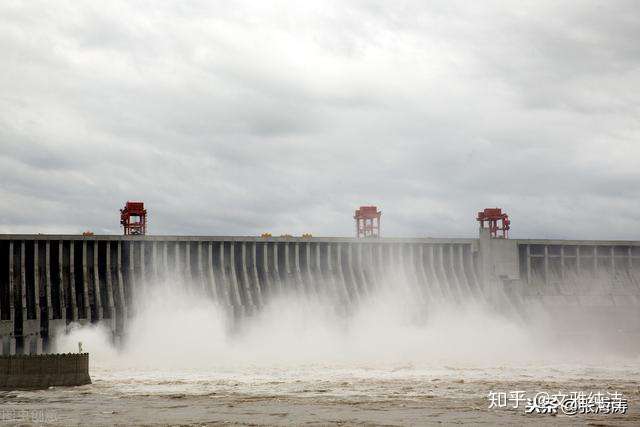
367 222
497 221
133 217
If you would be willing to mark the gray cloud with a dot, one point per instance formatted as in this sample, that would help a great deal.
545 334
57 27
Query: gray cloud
245 117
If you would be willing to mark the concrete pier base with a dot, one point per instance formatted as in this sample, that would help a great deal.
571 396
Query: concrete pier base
43 371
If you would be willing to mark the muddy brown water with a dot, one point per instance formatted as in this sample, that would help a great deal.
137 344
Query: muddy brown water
320 395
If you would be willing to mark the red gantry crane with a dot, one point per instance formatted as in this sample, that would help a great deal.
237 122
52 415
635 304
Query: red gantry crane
134 218
367 221
497 222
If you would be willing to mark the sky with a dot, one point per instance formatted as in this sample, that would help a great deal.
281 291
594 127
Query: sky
238 118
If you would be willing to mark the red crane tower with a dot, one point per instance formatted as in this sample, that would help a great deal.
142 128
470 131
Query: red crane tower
493 216
134 218
367 221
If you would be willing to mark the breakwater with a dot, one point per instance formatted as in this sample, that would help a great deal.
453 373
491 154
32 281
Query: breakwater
43 371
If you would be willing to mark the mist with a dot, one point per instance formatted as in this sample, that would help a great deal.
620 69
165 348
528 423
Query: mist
176 327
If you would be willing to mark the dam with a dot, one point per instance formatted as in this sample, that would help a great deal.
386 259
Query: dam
48 282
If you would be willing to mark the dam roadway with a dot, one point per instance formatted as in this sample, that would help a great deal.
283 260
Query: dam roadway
50 281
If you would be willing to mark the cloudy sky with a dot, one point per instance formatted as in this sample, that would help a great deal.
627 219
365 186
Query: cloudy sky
284 116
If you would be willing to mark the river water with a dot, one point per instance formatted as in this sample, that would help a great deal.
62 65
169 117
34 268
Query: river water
316 394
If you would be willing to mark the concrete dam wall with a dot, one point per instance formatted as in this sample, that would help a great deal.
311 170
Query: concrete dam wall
50 281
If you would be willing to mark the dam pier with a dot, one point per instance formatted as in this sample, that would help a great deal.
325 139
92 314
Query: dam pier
48 282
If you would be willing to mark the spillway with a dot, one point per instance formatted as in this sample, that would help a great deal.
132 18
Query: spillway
48 282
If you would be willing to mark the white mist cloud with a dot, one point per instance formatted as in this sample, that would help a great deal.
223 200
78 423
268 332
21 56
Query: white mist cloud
175 328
